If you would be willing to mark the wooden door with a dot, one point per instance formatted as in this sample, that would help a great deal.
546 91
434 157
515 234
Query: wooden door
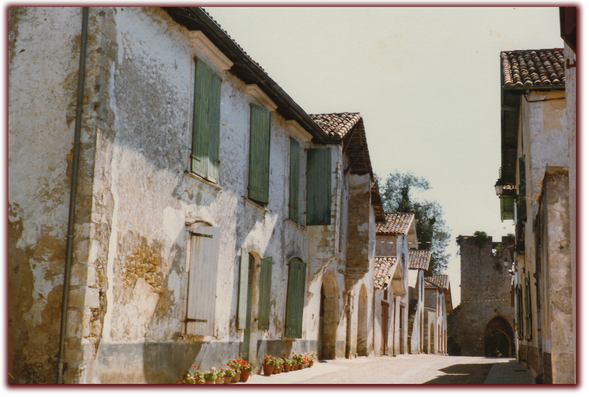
384 307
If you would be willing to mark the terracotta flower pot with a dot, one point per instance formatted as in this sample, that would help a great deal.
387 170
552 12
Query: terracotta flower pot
209 382
200 382
227 379
245 375
268 369
235 379
287 367
219 381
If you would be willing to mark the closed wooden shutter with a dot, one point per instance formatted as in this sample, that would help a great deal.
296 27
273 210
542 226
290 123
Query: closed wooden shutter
259 164
265 289
202 284
319 186
293 202
206 123
295 299
243 290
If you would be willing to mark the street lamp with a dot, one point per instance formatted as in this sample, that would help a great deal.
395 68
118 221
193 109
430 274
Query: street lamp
499 187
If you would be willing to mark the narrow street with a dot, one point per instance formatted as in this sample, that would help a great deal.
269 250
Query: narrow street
411 369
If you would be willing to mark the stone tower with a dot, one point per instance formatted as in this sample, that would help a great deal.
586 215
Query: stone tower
486 299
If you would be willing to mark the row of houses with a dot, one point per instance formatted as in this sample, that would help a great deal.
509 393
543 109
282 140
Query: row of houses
201 214
537 189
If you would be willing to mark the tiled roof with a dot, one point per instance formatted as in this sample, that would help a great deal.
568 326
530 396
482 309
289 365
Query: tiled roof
382 270
419 259
530 68
429 284
336 124
441 280
395 223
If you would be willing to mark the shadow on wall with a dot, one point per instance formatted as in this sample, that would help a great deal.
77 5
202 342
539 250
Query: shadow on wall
462 374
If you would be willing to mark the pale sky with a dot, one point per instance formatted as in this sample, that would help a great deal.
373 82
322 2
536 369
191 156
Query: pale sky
425 79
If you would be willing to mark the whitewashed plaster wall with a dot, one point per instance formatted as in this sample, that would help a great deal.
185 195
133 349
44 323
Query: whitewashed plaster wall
543 140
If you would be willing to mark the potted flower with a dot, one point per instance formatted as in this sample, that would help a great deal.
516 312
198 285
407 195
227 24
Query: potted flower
228 375
312 358
246 370
220 376
305 360
210 376
268 365
287 363
199 377
187 379
236 366
278 365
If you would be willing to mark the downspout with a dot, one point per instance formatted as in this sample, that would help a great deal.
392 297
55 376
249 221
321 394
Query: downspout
73 188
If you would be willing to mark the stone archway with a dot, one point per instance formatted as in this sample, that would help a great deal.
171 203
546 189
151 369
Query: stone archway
362 334
499 338
328 318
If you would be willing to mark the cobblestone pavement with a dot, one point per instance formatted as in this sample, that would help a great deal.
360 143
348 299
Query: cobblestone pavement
408 369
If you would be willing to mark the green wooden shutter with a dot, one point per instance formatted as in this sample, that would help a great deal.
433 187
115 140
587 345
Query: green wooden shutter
293 203
259 164
295 299
202 283
265 289
243 282
214 115
319 186
206 123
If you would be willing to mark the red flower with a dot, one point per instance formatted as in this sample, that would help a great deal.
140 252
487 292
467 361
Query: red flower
179 383
196 366
284 354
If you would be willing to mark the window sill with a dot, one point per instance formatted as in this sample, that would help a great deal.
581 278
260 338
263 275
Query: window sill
201 183
255 206
294 224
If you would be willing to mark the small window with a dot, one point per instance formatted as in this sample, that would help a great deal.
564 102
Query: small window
206 123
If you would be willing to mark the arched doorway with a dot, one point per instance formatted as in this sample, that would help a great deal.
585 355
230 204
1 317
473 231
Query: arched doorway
498 338
328 318
362 335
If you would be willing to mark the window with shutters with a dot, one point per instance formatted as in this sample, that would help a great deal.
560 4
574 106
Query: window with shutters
202 280
295 298
319 186
294 190
259 159
206 123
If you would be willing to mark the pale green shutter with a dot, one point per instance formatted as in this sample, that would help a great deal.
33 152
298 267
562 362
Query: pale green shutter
259 164
243 282
295 299
265 289
202 283
214 114
206 123
293 203
319 186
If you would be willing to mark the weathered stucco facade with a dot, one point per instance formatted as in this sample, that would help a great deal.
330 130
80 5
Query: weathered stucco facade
485 295
143 216
539 136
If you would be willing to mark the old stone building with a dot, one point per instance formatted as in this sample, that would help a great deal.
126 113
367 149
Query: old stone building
486 310
211 216
535 188
438 305
418 264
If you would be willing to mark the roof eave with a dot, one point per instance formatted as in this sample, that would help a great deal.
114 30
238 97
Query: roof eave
194 18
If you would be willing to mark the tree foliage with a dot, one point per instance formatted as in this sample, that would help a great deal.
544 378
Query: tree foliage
432 233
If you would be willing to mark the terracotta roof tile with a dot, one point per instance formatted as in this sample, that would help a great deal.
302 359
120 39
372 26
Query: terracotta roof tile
429 284
530 68
382 270
419 259
336 124
441 280
395 223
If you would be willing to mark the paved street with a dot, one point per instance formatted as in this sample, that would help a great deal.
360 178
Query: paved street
410 369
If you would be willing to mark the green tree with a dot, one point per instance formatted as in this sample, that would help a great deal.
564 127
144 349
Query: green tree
432 233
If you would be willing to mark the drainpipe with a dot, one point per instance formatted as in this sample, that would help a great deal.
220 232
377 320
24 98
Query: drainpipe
73 188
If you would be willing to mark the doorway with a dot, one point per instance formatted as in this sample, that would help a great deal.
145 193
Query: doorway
328 319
